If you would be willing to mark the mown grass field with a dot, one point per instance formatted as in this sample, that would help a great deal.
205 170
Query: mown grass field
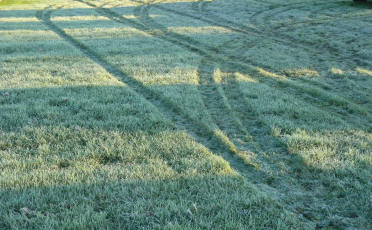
225 114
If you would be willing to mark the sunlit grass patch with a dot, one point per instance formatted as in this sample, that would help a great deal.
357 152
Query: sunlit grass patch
19 2
18 19
337 71
199 30
266 73
301 73
364 71
79 18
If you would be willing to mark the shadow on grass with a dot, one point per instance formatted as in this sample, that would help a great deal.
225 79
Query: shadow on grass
358 4
114 109
207 202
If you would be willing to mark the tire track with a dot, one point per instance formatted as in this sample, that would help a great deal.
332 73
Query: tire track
331 52
263 17
142 13
199 5
220 109
312 22
335 54
211 138
320 20
248 31
314 95
296 187
287 41
244 121
170 110
261 139
249 132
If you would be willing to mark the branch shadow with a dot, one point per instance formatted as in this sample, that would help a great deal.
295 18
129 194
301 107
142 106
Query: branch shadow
242 115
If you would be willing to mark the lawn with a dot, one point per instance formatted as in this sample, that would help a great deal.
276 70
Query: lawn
225 114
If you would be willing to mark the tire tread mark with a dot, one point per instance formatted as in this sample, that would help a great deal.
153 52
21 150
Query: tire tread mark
280 37
219 107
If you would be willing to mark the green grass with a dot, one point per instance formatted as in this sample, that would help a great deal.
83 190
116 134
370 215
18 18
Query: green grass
18 2
185 115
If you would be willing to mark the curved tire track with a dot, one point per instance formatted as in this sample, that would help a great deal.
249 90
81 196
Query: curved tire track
274 34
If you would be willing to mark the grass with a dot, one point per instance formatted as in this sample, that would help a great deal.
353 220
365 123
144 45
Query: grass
222 115
17 2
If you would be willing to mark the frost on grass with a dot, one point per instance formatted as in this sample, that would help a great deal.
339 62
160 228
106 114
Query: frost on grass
185 114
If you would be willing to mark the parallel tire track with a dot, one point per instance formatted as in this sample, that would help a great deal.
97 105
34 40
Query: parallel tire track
310 96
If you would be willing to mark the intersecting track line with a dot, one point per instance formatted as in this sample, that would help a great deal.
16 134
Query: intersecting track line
277 35
214 140
231 91
241 122
320 20
262 17
201 5
169 109
231 97
158 32
228 109
246 30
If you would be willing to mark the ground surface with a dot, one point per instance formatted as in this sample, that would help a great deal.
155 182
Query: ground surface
225 114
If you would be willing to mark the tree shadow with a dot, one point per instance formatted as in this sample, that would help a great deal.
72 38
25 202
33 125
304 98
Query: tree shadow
178 203
230 104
